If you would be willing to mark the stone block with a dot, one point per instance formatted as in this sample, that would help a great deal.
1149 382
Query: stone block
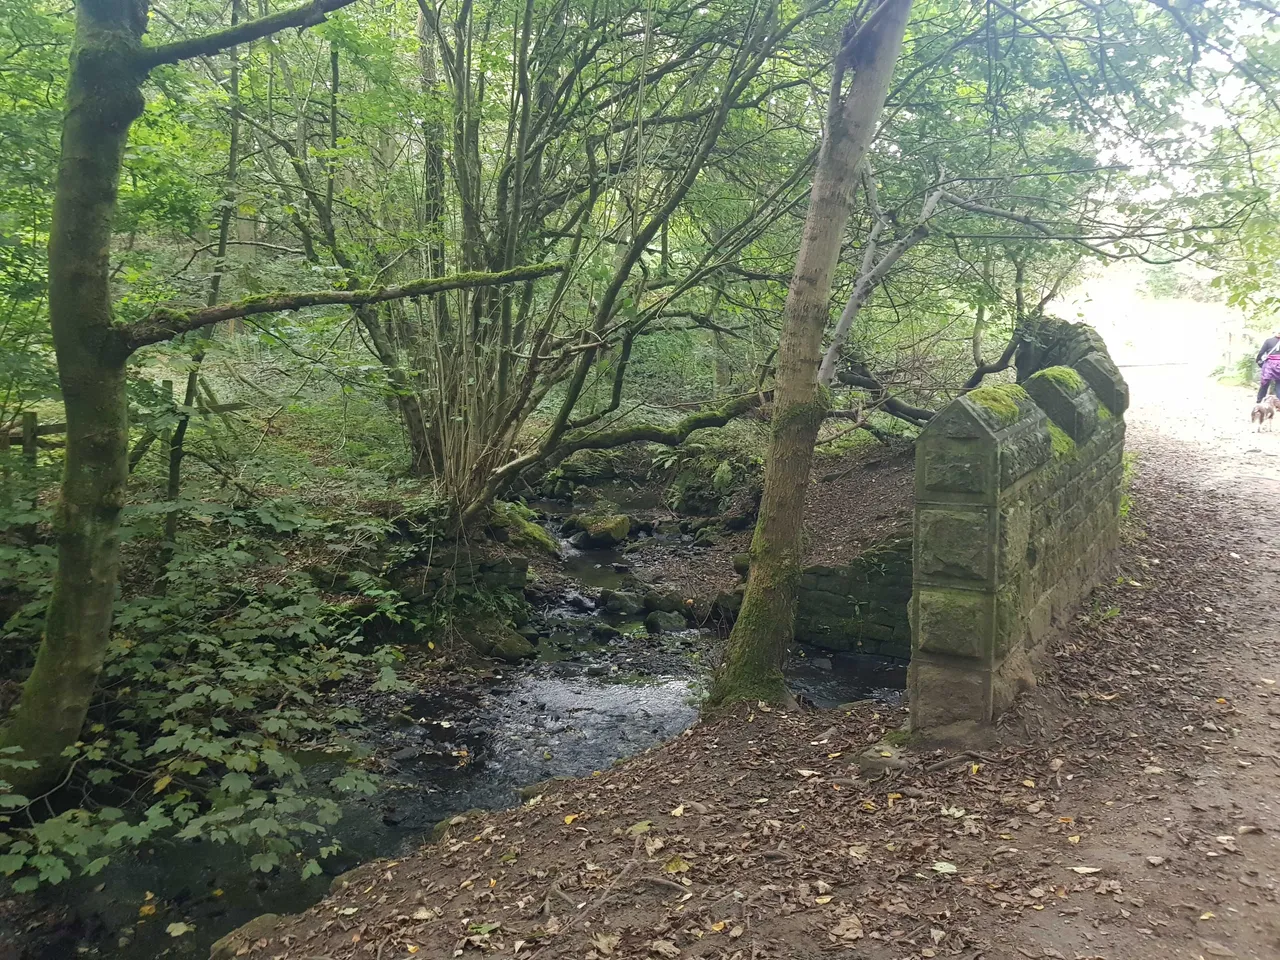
942 694
956 623
1101 373
1062 393
946 468
955 544
1025 449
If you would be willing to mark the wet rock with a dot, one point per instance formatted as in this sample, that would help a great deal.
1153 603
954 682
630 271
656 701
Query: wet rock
662 621
622 604
597 531
726 605
408 753
341 881
512 648
706 537
228 947
542 786
669 601
444 827
605 631
490 637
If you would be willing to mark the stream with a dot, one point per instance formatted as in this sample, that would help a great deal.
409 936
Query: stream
600 690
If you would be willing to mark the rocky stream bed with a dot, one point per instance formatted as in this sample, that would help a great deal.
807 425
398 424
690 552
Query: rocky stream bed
619 667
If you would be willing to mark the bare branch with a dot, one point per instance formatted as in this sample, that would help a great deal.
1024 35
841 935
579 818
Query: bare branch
304 15
164 324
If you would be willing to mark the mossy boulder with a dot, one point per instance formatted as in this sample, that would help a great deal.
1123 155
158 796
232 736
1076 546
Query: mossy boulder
491 637
742 564
660 621
516 524
590 466
727 604
669 601
620 603
598 531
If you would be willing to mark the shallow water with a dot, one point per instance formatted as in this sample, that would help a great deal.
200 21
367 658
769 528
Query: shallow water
587 702
516 731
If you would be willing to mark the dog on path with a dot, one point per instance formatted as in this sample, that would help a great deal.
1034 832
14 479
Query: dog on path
1264 412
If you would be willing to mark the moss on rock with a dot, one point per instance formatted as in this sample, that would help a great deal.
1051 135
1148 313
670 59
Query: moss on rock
1063 446
1063 376
519 525
1002 400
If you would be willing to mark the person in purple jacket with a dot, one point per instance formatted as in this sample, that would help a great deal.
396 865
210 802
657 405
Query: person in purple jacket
1269 365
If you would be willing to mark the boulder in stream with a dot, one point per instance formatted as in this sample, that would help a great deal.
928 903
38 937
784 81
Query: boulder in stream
669 601
491 637
662 621
598 532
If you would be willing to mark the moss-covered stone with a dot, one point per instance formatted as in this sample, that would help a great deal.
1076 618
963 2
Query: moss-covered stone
518 525
491 637
590 466
1003 400
660 621
1063 446
1063 376
599 530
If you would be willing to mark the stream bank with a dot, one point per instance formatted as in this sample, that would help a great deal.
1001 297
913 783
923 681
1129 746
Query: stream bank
622 641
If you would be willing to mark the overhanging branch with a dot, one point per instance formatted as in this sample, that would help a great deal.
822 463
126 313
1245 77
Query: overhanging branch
304 15
164 324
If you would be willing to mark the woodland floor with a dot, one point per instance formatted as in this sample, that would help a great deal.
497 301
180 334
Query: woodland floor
1128 809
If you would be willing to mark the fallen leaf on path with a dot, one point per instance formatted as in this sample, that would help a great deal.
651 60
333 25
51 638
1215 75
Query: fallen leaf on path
942 866
605 942
178 929
1084 871
678 811
664 948
848 929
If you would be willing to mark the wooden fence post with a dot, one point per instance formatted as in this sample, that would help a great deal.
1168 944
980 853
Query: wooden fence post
30 426
5 497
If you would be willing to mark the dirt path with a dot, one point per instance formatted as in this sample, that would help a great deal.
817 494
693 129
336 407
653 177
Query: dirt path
1191 841
1129 809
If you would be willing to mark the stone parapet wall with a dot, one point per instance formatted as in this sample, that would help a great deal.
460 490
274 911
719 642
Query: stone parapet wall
860 606
1017 514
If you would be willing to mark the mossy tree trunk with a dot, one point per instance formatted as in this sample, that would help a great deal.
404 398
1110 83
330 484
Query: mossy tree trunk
104 96
103 99
756 653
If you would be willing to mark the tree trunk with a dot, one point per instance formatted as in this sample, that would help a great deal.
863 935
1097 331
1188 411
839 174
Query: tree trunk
756 653
103 99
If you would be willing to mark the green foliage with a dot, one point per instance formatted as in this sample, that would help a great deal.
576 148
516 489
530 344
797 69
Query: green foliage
215 688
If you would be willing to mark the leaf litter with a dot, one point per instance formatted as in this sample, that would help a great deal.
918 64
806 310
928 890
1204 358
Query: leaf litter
793 848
